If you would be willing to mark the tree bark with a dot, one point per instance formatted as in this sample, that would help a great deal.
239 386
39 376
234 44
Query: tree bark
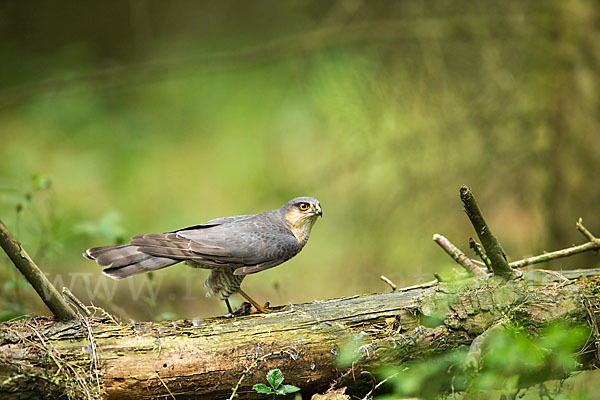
205 359
36 278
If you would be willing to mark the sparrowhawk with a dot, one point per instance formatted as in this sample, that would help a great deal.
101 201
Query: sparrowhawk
231 247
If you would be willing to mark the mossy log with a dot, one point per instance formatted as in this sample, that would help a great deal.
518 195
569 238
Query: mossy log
205 359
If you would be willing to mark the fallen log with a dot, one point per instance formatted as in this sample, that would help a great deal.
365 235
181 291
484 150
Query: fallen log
205 359
320 345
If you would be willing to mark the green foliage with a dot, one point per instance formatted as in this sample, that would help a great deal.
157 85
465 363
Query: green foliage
591 285
275 387
511 360
275 377
262 388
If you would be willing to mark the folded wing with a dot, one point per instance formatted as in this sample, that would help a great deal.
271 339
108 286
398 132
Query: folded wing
246 243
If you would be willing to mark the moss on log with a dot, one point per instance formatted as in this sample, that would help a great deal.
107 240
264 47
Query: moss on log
205 359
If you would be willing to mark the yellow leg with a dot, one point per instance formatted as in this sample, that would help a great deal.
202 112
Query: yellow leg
258 307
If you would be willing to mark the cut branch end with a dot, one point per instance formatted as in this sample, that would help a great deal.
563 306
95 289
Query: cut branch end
492 246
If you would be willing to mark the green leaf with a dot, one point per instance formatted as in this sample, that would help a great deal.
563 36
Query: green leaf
290 389
262 388
275 377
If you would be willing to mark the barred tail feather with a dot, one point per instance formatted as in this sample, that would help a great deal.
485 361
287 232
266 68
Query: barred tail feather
126 260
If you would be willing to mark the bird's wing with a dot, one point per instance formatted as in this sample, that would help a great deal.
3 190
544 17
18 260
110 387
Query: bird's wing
247 243
261 242
215 222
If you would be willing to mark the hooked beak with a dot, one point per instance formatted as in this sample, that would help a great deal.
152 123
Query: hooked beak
319 212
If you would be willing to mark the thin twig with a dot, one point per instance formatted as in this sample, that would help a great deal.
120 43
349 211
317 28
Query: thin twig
369 395
419 286
592 244
458 255
570 251
94 362
78 303
389 282
115 309
584 231
47 349
166 387
104 313
593 321
556 274
480 252
385 380
478 262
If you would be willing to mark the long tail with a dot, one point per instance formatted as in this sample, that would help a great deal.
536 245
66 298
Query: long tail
125 260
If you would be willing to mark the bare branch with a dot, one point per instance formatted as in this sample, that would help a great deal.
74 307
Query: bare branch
389 282
44 288
557 254
592 244
584 231
458 255
492 247
78 303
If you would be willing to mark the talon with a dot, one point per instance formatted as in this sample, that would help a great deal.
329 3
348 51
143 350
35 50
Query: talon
266 310
259 309
262 310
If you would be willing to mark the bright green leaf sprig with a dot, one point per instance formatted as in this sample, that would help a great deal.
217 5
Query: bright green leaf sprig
275 387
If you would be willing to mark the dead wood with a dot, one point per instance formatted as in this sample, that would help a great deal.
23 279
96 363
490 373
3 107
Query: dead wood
30 271
185 359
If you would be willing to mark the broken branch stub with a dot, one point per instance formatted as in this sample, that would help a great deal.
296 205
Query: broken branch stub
493 249
458 255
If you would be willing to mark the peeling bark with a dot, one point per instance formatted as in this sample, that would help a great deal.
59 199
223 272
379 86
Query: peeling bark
206 359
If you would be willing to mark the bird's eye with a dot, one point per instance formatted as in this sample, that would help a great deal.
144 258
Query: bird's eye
304 206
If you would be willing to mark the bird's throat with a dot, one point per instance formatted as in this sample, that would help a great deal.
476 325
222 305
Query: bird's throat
300 225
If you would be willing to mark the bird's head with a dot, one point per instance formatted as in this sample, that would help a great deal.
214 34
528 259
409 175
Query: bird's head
301 213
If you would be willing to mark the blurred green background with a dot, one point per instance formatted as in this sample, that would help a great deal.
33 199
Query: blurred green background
120 118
